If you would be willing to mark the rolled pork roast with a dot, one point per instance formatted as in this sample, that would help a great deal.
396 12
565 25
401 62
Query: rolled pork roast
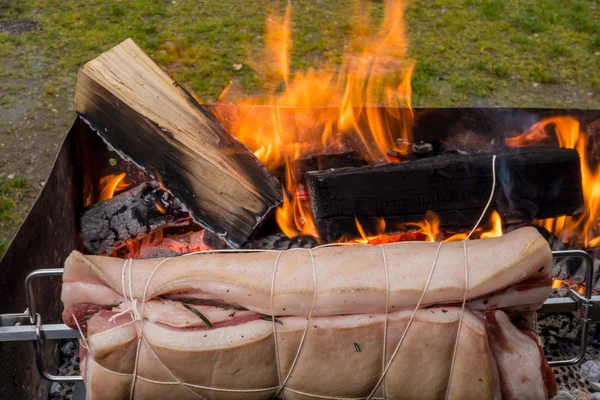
410 320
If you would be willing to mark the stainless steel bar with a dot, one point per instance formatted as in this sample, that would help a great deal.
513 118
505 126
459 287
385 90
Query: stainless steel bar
569 304
28 325
39 358
28 292
560 305
28 332
584 304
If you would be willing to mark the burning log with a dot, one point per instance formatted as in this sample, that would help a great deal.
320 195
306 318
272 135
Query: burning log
150 119
130 215
531 184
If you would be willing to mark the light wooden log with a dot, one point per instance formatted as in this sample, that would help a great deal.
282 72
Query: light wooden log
147 117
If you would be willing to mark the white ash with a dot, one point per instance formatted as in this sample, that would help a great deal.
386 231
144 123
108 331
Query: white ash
590 370
564 395
69 357
560 334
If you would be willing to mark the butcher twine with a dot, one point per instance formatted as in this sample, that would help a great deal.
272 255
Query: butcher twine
137 319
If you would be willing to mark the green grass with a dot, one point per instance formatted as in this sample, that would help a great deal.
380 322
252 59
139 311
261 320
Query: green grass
464 49
523 53
11 191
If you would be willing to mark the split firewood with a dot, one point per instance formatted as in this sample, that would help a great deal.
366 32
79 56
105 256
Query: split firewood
107 225
146 116
294 321
530 184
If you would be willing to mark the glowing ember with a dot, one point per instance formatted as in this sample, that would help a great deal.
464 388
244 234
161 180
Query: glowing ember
327 109
112 184
557 283
580 229
160 208
427 230
430 226
560 284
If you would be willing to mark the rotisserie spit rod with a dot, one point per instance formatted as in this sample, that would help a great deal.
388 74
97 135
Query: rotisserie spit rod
404 320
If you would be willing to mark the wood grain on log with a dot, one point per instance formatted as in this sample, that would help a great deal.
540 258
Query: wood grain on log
150 119
531 184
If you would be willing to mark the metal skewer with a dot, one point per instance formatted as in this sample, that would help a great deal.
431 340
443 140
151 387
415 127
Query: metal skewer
27 326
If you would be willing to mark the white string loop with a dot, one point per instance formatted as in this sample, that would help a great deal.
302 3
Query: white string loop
137 318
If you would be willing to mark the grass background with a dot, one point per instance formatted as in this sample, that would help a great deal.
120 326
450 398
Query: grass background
542 53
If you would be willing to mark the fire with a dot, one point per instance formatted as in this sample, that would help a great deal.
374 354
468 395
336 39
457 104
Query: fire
327 109
366 238
380 237
427 230
496 230
160 208
111 184
557 283
294 217
430 226
560 284
581 229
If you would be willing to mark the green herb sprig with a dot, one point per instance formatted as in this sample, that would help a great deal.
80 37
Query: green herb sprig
198 314
271 319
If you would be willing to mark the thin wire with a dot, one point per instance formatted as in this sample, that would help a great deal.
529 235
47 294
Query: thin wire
466 261
460 320
136 315
412 317
312 258
85 345
489 199
385 323
273 321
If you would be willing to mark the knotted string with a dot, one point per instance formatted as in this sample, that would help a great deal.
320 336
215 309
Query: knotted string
466 285
137 319
412 317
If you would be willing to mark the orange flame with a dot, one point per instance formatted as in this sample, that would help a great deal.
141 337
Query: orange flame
160 208
496 230
430 226
426 230
556 283
111 184
366 238
582 229
327 109
559 284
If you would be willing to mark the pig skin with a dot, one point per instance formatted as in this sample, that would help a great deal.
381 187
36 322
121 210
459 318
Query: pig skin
350 279
243 357
342 353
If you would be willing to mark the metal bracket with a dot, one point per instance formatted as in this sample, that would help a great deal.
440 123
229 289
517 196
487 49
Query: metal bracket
27 326
585 306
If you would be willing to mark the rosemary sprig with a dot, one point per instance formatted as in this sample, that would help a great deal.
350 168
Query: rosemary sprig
271 319
198 314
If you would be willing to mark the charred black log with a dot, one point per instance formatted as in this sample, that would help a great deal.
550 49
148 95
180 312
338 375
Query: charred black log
531 184
278 241
129 215
148 118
